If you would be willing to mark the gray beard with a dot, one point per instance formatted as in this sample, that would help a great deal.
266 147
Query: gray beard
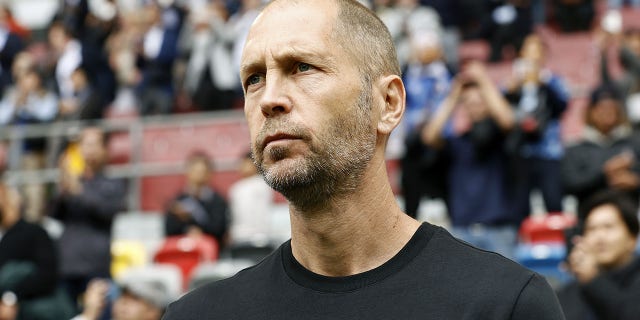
329 171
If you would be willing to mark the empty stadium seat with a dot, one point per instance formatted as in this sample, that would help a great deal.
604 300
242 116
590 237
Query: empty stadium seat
146 228
548 228
186 252
546 259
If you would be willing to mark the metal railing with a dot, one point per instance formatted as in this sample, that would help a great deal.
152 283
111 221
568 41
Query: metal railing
55 133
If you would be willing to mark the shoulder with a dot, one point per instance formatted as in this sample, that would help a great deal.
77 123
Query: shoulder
491 279
222 297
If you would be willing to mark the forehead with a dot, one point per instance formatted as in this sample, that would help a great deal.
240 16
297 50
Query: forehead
286 26
606 213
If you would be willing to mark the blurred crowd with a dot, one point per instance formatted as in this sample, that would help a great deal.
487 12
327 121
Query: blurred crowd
480 146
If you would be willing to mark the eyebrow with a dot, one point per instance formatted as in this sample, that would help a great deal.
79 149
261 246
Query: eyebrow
289 54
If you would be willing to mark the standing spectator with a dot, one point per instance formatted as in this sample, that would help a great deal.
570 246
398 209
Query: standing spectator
479 118
158 54
28 266
210 77
251 201
506 27
606 157
539 98
629 55
198 209
10 45
602 260
428 81
30 103
574 15
86 204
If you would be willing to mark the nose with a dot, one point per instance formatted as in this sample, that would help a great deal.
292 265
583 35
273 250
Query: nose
275 100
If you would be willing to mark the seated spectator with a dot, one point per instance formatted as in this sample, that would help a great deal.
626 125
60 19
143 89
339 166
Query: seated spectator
539 99
28 266
602 260
138 300
479 118
606 156
251 201
198 209
86 203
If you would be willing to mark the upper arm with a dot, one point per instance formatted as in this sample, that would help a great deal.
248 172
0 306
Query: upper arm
537 301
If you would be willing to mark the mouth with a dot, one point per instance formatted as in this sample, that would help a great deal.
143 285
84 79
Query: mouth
278 137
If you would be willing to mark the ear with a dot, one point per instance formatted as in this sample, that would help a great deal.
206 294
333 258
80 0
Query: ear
393 93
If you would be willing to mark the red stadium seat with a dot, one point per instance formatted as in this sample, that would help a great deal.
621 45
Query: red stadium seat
546 229
187 252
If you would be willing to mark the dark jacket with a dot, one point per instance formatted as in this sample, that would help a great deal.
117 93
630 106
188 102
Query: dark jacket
25 242
85 245
582 166
209 212
610 296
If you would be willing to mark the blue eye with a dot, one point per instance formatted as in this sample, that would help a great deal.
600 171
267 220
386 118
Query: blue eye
254 79
302 67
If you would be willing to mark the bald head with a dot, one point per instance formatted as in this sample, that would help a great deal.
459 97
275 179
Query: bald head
361 34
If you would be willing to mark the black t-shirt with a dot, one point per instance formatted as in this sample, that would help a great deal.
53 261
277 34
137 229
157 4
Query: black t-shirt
435 276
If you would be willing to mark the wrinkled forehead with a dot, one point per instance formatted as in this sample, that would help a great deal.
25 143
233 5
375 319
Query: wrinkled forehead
288 22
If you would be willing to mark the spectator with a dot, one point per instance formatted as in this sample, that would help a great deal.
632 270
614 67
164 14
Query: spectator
428 81
28 266
602 260
86 204
138 300
574 15
198 209
606 157
10 45
30 103
539 98
479 118
506 27
86 102
629 55
251 201
210 77
156 59
405 18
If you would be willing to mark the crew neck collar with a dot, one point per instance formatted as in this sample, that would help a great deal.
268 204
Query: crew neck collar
305 278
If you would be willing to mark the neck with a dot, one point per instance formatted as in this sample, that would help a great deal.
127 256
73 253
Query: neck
355 232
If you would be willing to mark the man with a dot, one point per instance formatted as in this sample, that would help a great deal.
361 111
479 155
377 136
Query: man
607 272
198 209
321 103
28 265
87 203
138 300
470 128
606 156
